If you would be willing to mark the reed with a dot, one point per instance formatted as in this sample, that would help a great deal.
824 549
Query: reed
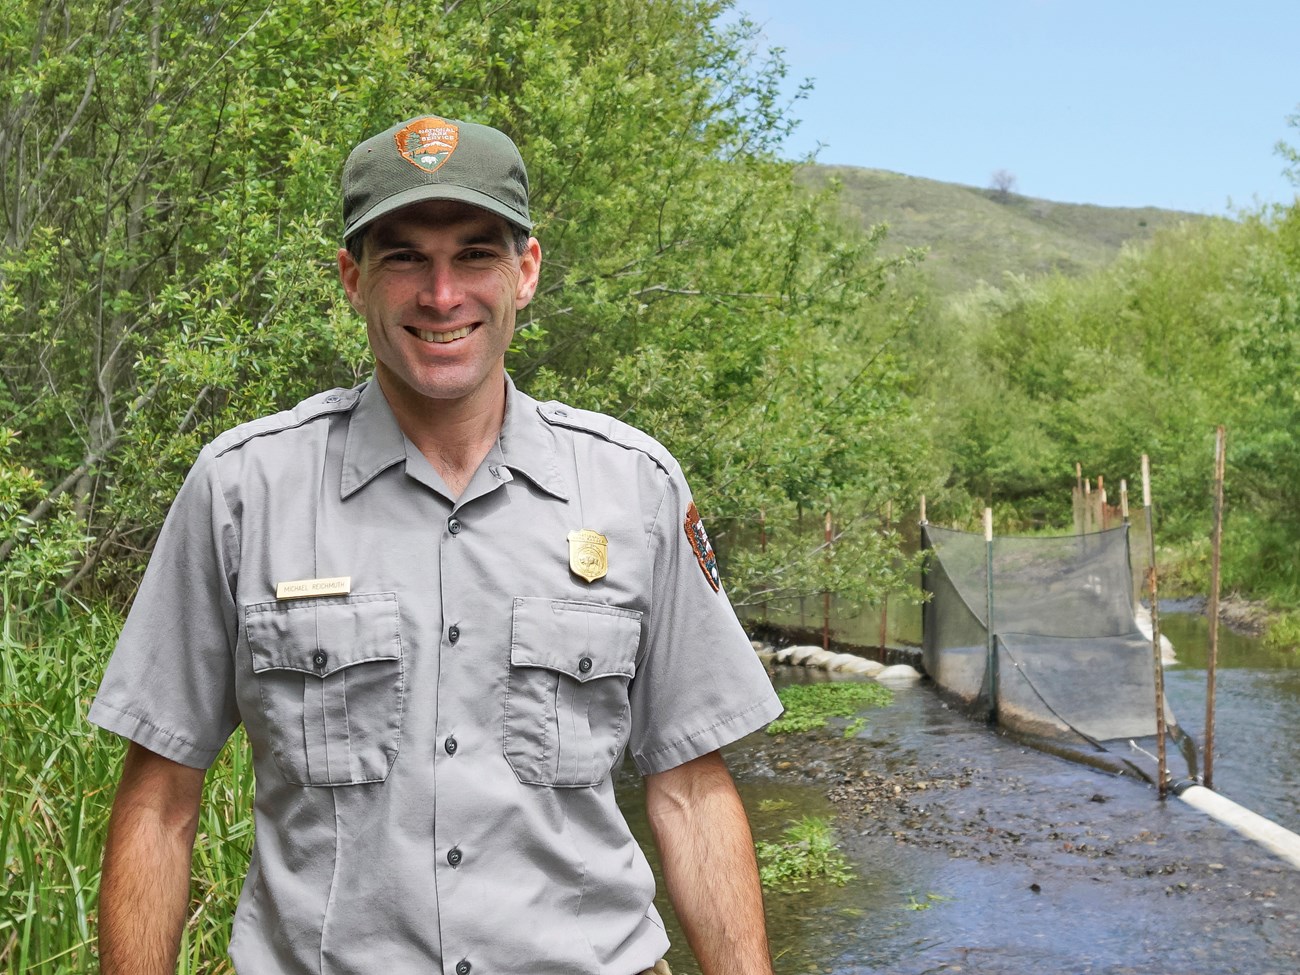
57 777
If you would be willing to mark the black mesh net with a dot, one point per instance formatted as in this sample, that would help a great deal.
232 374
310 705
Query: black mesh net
1063 662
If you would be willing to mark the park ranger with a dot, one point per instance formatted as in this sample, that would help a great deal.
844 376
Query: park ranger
443 612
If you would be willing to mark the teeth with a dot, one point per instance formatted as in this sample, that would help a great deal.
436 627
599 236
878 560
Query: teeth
441 338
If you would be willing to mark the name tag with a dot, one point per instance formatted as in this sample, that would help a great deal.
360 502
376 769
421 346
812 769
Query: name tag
306 588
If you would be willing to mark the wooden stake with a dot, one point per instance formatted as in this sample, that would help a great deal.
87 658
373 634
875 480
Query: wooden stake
826 596
1216 545
923 518
992 664
1079 517
1123 499
803 597
884 607
1101 500
1153 588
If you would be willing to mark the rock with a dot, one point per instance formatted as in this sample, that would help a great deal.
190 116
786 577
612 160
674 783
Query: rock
783 655
898 674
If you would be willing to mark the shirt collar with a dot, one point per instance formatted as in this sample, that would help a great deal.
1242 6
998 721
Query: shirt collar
528 443
375 442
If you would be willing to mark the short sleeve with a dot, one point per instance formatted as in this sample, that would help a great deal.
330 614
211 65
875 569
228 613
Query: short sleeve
699 685
169 685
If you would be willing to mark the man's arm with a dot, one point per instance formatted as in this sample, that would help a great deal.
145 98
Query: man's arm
707 851
145 889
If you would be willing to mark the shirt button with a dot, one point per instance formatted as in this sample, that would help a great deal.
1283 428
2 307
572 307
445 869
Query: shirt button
453 526
454 856
450 745
584 665
463 967
453 633
319 658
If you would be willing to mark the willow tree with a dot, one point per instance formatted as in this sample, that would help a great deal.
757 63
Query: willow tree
169 204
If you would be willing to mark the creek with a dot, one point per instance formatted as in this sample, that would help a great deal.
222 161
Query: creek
985 856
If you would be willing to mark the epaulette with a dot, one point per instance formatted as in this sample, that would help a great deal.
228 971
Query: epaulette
607 428
322 404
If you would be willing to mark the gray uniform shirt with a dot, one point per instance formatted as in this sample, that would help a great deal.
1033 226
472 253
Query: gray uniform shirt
433 740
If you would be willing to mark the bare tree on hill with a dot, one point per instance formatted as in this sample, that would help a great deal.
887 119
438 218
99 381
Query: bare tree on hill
1003 184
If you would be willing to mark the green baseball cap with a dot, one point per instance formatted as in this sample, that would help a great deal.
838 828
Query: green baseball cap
434 158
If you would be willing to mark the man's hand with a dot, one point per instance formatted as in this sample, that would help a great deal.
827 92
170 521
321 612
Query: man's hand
703 837
145 889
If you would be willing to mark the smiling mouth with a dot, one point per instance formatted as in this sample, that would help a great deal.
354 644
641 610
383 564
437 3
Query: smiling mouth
440 338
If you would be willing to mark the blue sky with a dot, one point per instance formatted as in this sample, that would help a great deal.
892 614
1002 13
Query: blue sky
1137 103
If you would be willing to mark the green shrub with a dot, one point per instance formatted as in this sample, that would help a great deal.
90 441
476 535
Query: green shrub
805 855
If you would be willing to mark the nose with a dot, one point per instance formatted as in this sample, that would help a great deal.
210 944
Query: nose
441 290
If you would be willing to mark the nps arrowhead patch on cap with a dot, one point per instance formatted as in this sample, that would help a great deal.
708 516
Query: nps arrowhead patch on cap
427 142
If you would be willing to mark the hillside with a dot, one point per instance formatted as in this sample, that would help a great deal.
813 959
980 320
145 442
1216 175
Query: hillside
974 234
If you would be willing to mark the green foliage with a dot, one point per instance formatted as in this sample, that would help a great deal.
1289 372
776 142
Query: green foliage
1198 328
1283 633
1289 152
170 222
854 727
806 855
915 903
36 553
807 706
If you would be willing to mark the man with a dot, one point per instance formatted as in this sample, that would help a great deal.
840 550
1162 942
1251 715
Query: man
442 612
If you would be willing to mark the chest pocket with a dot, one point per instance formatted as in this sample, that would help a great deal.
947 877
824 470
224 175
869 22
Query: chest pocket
329 672
566 718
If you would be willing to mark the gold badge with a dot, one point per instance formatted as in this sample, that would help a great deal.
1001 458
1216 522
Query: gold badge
307 588
587 554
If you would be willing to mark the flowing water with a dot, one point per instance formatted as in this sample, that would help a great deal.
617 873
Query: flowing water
1028 863
1257 714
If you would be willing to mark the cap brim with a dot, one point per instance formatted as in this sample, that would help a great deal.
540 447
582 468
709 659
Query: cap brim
435 191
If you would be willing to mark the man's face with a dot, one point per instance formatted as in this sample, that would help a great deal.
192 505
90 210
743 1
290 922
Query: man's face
439 285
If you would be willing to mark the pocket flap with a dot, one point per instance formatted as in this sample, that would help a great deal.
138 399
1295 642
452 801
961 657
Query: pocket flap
582 640
322 636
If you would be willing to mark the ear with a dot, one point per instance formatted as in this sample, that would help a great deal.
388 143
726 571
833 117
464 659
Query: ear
530 267
350 277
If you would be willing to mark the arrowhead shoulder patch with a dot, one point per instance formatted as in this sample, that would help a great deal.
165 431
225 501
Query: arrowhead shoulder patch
701 546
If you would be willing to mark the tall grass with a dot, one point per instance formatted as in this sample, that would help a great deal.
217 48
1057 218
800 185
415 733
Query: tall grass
57 777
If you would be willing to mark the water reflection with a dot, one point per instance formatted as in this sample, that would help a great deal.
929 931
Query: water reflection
1224 905
806 930
1257 712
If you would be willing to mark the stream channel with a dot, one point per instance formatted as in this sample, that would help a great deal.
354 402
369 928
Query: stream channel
973 853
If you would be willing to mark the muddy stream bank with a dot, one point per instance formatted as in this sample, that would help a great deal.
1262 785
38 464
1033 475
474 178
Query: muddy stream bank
976 854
